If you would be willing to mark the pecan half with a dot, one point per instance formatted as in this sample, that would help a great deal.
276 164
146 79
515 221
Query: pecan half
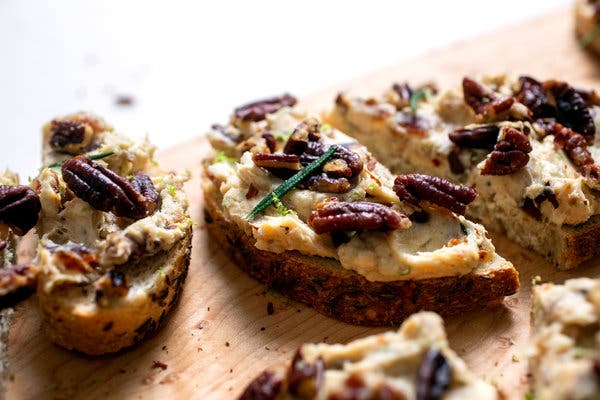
258 110
414 188
510 154
304 379
307 131
277 161
104 190
334 216
480 137
575 146
266 386
572 111
143 184
533 95
434 376
69 136
486 104
74 257
19 208
17 282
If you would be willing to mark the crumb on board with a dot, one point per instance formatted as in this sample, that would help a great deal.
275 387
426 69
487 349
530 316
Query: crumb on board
262 328
202 324
158 364
226 344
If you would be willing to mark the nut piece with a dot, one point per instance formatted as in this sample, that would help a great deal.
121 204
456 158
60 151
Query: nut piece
304 379
486 104
75 133
510 154
74 257
110 285
533 95
106 191
17 282
277 161
19 208
572 111
434 376
414 188
575 146
334 216
266 386
481 137
258 110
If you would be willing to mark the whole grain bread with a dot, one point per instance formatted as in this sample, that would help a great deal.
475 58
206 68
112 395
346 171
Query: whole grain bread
325 285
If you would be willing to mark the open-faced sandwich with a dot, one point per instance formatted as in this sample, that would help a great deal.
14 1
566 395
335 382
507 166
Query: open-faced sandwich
565 361
528 147
114 236
308 211
413 363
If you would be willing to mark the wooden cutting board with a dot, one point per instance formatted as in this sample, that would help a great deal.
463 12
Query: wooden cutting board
221 336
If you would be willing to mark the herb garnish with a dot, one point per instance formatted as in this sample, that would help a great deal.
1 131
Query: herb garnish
416 97
283 210
282 136
92 157
222 157
289 184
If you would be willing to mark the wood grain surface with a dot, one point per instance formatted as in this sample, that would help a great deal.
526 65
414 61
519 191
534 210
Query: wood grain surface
221 335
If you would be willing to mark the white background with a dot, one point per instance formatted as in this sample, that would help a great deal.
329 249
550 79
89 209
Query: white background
187 64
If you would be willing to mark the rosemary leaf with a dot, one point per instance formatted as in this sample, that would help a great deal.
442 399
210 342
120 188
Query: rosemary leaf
416 97
92 157
290 183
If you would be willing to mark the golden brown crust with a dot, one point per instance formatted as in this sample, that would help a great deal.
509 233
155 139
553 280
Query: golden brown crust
110 329
346 295
582 242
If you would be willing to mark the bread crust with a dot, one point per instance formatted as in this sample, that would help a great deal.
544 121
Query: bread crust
112 328
343 294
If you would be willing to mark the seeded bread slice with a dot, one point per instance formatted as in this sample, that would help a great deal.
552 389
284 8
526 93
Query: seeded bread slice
74 320
343 294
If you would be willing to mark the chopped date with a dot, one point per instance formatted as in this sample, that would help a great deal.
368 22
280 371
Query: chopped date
572 111
335 216
304 379
266 386
480 137
414 188
533 95
434 376
104 190
510 154
19 208
258 110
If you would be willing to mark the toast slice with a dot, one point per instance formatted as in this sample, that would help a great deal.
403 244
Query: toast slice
340 265
413 363
565 357
114 244
545 199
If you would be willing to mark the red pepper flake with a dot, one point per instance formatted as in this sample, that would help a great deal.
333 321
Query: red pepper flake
270 308
158 364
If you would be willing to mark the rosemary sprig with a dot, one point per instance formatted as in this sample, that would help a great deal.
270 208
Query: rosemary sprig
585 41
416 97
290 183
92 157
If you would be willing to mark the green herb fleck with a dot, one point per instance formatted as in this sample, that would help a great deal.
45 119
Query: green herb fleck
154 162
585 40
92 157
485 100
159 271
172 190
536 279
222 157
289 184
372 186
356 196
515 358
464 229
283 210
190 221
529 396
416 97
325 127
282 136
